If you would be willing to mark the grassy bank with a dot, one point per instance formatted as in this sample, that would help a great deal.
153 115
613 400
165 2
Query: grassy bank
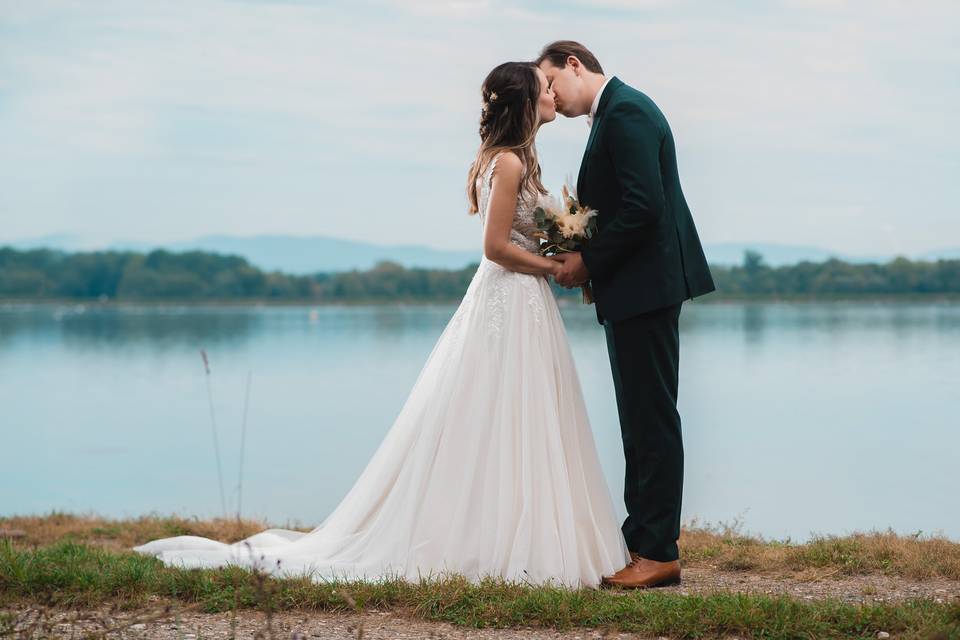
724 547
68 560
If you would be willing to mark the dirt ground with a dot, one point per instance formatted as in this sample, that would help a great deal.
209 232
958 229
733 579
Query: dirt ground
818 585
178 624
293 626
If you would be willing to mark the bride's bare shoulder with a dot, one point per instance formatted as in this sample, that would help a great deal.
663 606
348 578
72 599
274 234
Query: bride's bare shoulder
509 165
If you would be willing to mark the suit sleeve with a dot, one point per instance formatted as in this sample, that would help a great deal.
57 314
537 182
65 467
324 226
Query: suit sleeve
633 141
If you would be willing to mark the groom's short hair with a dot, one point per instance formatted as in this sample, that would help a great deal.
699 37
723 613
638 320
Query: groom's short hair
558 52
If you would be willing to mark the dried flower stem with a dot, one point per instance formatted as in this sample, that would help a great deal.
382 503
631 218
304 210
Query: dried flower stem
243 440
213 428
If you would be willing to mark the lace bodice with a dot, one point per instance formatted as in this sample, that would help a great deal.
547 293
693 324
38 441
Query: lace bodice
524 225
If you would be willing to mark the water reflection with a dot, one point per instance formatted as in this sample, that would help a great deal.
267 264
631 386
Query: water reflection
97 326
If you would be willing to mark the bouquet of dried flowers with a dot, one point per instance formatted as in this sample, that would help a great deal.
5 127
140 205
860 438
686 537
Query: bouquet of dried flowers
564 225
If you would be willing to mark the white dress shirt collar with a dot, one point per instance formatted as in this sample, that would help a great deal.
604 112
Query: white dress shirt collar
596 101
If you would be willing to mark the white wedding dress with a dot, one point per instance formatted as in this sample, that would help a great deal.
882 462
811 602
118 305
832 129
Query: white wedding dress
490 468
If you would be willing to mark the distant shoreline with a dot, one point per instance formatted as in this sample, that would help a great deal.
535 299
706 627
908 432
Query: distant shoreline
214 279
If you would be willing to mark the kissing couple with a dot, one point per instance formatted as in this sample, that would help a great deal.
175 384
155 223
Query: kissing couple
490 469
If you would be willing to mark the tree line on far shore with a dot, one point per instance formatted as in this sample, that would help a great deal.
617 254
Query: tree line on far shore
38 274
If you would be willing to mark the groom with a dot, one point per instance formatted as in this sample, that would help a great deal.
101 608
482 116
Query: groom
643 262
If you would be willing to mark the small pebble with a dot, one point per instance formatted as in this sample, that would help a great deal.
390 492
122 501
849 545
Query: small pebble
882 634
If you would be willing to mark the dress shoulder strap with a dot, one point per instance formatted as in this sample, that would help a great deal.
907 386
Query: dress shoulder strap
490 167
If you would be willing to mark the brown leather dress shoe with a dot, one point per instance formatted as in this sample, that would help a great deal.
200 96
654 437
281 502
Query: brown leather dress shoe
642 573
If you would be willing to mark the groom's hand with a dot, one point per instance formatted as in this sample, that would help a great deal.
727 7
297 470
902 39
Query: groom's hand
574 271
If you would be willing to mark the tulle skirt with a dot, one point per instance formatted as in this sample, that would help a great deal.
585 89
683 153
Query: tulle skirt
489 470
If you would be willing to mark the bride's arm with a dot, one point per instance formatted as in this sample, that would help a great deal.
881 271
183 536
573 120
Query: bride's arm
504 188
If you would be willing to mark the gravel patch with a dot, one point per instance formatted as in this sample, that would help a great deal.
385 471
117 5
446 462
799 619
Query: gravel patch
285 626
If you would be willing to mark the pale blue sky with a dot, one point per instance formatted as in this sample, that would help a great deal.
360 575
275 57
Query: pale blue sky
819 122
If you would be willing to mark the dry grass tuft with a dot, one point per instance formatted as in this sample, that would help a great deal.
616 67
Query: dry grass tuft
887 553
44 530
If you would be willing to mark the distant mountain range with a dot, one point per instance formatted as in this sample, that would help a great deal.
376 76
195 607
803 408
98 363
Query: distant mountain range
311 254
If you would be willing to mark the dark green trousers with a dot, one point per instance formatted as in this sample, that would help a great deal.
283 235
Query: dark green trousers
644 357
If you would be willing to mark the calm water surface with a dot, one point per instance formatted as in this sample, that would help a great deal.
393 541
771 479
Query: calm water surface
797 418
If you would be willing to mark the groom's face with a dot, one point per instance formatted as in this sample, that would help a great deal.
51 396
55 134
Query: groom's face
567 88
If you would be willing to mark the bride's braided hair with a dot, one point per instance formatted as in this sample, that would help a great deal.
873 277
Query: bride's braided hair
487 111
509 117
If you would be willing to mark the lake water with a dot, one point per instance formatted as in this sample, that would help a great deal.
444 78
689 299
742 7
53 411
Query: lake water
797 418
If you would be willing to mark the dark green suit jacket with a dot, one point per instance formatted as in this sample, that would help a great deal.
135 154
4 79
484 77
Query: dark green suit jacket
646 253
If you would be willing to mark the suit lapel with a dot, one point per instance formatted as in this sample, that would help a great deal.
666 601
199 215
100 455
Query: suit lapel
586 155
608 91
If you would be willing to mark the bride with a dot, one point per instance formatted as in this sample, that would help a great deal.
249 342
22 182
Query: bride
490 469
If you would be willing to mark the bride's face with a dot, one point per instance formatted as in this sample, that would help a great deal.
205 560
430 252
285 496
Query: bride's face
545 104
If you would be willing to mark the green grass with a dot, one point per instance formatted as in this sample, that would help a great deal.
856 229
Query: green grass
70 573
915 557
